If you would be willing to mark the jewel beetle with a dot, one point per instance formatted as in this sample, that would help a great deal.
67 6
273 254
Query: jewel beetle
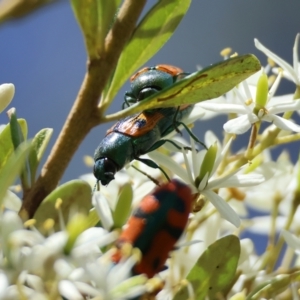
176 93
134 136
151 80
156 225
141 133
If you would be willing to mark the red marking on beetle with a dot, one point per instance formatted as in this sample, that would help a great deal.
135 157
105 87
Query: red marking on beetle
149 204
137 74
172 217
137 125
177 219
172 70
135 227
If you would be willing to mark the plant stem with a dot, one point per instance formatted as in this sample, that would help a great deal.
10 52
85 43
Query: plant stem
12 9
84 113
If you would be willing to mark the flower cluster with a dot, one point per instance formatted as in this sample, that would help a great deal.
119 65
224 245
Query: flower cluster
74 260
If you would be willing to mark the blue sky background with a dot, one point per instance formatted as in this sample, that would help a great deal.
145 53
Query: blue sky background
44 56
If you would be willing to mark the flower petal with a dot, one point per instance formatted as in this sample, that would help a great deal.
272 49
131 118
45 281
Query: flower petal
69 290
282 123
295 54
223 208
238 125
167 161
275 85
224 107
4 283
279 61
12 201
7 91
291 240
239 180
285 74
103 210
283 107
221 156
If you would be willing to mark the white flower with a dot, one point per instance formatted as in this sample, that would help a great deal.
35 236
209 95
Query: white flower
7 91
264 108
207 182
278 192
292 240
27 258
12 201
275 189
290 72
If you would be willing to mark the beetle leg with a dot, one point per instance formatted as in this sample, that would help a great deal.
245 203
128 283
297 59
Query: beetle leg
175 122
128 100
178 123
150 163
163 141
147 175
191 134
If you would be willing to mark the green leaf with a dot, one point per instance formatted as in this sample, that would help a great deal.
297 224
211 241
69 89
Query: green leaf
12 168
214 270
93 218
77 225
39 144
6 145
17 136
95 18
75 195
272 287
208 163
206 84
86 13
122 210
107 12
150 35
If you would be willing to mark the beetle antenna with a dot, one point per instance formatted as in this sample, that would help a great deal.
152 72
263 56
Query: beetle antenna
96 187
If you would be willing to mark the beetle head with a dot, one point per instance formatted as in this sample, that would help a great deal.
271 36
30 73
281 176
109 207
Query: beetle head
104 170
149 83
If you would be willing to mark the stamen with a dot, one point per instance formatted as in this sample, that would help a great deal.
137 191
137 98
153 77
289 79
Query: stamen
154 284
18 188
271 79
126 250
261 113
137 254
225 52
271 62
58 205
88 160
48 224
29 223
248 102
